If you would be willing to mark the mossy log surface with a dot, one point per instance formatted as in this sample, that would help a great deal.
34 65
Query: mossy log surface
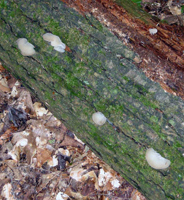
97 73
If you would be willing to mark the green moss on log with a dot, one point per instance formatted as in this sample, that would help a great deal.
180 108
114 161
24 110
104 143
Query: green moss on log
92 77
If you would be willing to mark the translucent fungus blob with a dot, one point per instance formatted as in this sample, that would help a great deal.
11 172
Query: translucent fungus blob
153 31
26 48
99 118
155 160
49 37
55 41
59 48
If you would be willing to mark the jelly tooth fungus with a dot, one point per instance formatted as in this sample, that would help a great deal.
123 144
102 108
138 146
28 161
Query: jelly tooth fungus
153 31
55 41
26 48
99 118
155 160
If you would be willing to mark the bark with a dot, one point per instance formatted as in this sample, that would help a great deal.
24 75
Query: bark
162 57
98 73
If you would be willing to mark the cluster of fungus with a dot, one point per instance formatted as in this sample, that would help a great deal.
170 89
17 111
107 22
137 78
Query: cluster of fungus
27 49
154 159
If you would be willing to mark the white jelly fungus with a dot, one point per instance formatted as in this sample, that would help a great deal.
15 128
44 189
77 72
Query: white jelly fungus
55 41
153 31
59 48
99 118
26 48
155 160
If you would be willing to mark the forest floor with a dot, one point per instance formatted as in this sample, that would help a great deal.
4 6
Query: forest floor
41 159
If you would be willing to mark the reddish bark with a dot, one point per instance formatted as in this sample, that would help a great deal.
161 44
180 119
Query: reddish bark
162 55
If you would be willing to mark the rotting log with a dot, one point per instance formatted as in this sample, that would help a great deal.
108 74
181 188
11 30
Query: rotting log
162 56
97 73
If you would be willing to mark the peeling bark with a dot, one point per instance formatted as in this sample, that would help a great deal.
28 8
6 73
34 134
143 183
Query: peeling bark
98 72
162 57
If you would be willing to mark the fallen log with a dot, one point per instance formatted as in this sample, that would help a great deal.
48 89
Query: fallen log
97 72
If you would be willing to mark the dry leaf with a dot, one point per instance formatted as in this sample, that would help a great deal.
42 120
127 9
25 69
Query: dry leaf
40 111
6 136
4 89
42 155
7 192
25 101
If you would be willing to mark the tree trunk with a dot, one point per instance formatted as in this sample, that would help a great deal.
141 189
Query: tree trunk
97 73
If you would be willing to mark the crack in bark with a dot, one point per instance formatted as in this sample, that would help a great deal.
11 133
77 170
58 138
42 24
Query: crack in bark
39 64
119 130
10 27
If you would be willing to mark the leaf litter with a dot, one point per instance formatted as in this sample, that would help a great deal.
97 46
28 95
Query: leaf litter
41 159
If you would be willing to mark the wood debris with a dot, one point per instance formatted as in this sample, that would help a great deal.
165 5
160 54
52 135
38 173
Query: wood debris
161 56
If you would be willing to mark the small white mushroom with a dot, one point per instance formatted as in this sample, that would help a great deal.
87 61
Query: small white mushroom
153 31
155 160
26 48
99 118
55 41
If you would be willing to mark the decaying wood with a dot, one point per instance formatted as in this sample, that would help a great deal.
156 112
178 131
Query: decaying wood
98 72
162 56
